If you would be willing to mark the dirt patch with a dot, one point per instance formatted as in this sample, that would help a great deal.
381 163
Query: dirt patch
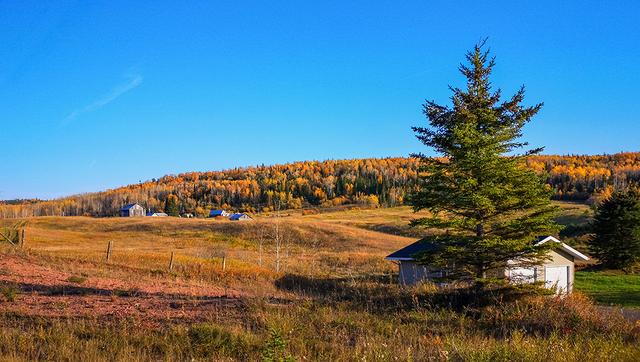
44 291
28 270
149 310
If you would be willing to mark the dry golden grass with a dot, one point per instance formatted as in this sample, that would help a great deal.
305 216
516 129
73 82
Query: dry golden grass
343 242
309 247
335 297
393 221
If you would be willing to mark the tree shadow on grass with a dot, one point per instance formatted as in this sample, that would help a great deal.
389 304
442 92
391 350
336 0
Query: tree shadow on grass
493 313
75 290
622 298
376 293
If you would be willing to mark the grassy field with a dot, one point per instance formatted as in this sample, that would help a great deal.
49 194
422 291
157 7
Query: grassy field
572 213
610 288
313 287
396 220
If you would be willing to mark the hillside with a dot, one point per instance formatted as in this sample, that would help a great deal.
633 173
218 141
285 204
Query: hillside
369 182
334 296
341 243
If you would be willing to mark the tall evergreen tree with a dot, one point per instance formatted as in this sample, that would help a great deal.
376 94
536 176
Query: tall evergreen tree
171 206
616 228
490 206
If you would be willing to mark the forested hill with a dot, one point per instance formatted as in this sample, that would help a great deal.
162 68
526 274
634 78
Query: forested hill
371 182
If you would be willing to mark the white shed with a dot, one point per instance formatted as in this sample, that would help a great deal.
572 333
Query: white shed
239 217
557 273
132 210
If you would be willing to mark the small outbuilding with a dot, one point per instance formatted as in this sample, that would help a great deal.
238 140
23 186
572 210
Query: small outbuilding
240 217
556 273
157 214
219 213
132 210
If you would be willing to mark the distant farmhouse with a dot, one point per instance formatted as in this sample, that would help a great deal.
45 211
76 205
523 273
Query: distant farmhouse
219 213
240 217
132 210
157 214
556 273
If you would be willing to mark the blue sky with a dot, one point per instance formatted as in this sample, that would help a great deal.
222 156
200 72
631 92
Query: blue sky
94 95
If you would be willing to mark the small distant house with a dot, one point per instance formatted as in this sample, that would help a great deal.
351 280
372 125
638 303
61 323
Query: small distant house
556 273
219 213
240 217
132 210
157 214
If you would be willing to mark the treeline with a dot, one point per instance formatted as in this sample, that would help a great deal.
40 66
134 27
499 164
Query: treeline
588 178
370 182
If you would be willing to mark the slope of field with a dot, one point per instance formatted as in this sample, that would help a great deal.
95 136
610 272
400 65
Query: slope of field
395 220
249 248
348 242
315 287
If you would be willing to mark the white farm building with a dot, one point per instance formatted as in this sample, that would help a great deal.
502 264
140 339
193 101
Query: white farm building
557 272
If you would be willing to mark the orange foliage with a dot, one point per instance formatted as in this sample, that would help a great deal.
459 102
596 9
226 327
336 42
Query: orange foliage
313 183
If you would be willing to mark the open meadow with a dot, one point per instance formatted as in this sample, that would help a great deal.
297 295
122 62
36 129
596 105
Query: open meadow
310 287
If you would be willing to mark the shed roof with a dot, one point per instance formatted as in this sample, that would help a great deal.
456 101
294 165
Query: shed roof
410 250
129 206
563 246
237 216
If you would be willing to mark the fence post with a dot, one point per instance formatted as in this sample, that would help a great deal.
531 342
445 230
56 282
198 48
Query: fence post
109 249
173 253
22 238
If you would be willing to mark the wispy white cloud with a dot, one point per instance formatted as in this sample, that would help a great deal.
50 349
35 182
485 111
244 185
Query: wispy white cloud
133 82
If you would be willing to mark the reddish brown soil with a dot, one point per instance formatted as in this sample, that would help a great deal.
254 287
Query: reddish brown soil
45 291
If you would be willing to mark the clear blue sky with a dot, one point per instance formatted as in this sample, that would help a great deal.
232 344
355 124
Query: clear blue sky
94 96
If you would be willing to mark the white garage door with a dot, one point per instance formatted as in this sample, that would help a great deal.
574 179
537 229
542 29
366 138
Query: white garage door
557 277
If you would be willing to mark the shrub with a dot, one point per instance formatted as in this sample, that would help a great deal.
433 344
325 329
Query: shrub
367 200
210 340
275 349
9 293
76 279
545 316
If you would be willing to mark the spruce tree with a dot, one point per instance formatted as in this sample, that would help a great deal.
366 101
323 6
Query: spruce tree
171 206
489 206
616 228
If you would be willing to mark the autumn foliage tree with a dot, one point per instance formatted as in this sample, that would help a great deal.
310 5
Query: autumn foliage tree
341 182
489 204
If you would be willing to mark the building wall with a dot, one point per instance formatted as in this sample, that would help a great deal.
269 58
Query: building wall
411 273
134 211
137 211
559 258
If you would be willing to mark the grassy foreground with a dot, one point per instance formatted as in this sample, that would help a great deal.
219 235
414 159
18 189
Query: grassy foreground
333 297
334 330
